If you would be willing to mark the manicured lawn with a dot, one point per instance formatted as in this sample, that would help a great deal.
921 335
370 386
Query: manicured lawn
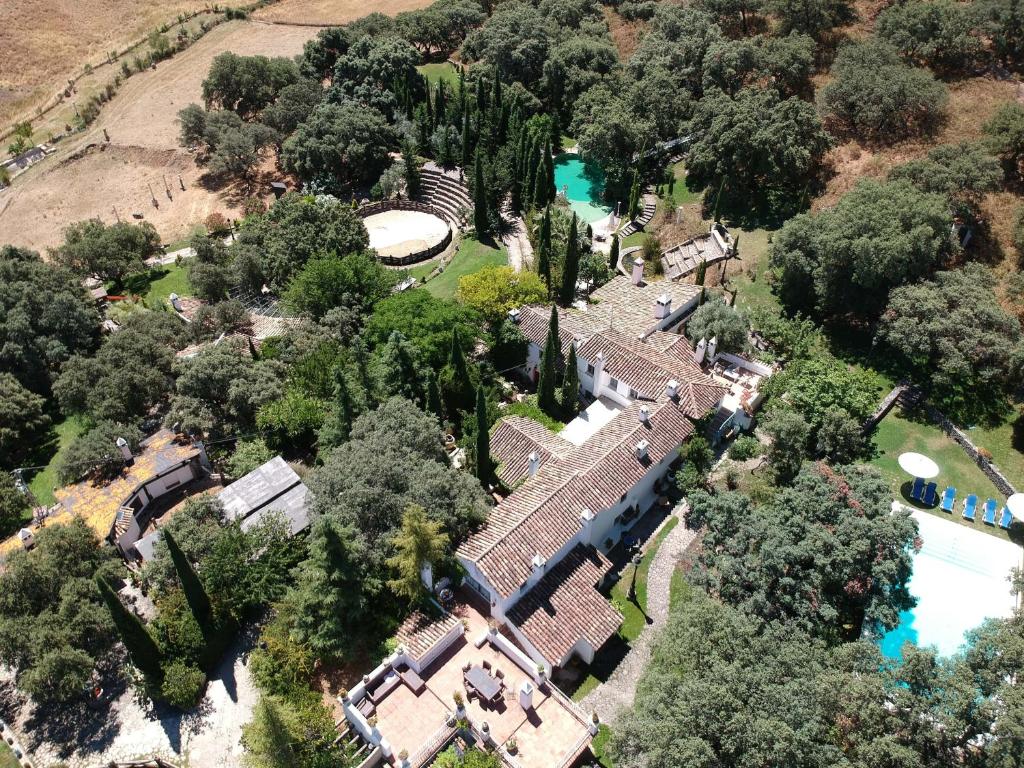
472 257
1005 441
600 744
173 280
62 433
681 192
441 71
898 434
633 613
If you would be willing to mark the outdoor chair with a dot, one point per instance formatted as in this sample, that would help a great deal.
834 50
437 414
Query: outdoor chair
989 517
487 665
499 674
1005 518
970 506
917 489
931 498
948 498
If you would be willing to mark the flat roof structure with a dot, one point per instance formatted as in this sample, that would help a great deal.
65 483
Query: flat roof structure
274 486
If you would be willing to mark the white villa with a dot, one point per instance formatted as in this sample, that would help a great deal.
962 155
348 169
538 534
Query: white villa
540 557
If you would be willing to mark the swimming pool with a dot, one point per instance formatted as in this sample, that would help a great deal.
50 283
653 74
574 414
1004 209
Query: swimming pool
959 580
583 185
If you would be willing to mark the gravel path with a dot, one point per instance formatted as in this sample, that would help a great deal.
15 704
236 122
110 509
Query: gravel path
617 692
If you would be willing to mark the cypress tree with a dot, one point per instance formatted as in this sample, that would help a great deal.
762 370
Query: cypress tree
422 127
556 131
546 379
613 254
440 103
142 648
466 143
532 169
481 97
480 220
456 385
571 265
433 395
361 359
412 172
549 175
544 248
541 191
702 270
195 594
634 196
431 121
570 384
344 412
483 439
703 297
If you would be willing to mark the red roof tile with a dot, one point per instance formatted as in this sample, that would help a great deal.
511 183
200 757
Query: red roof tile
513 440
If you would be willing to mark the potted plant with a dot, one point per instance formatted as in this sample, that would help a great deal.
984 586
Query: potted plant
511 747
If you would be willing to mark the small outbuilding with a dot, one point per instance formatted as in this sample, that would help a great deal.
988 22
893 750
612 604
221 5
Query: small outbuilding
273 486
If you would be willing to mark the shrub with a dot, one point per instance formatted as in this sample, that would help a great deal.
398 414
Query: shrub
746 447
183 685
216 223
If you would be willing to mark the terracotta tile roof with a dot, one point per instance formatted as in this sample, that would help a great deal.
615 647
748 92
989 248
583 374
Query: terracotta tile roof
544 512
617 304
513 440
648 370
565 606
421 632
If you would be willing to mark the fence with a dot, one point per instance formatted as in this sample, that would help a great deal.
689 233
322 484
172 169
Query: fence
408 205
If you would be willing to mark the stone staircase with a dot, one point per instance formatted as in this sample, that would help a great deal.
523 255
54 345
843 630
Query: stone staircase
445 193
650 207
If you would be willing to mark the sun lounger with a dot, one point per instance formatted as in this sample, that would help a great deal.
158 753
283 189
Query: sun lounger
917 489
970 506
989 517
930 495
948 498
1005 518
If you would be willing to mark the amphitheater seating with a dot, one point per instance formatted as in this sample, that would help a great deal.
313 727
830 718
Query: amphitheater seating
446 194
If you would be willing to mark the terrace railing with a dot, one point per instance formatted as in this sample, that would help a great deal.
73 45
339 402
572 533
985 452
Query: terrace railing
433 745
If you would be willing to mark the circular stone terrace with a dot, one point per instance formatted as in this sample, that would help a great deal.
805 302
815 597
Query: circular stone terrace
404 232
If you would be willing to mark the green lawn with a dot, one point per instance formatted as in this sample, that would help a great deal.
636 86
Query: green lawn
441 71
62 433
682 194
472 257
600 744
7 758
898 434
568 142
634 616
158 283
1005 441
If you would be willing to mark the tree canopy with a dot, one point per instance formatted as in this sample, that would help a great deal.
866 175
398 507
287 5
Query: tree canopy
714 319
356 280
493 291
247 84
110 252
932 33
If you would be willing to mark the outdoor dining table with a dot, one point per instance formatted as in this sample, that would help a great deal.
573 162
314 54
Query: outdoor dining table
487 686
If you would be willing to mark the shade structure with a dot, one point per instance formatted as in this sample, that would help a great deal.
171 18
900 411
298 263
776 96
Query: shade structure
1016 505
918 465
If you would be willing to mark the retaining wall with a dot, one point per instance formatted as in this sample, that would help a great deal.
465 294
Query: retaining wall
985 465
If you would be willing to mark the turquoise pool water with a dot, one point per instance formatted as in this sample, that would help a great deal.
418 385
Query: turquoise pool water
959 580
583 185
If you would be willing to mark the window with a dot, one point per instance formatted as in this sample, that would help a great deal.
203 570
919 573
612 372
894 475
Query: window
590 369
613 383
633 393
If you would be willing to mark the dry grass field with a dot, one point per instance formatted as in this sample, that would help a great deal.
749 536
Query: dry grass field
333 11
44 43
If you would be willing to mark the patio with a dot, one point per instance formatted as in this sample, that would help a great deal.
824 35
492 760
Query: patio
590 421
550 733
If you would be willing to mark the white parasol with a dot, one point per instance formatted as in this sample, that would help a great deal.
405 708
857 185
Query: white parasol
1016 505
917 465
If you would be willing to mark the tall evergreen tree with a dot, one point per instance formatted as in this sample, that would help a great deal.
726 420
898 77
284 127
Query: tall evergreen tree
613 254
702 271
571 265
457 390
361 362
483 438
195 593
549 175
338 426
480 220
467 145
634 196
412 172
421 541
433 395
571 384
544 249
546 380
481 97
142 648
399 368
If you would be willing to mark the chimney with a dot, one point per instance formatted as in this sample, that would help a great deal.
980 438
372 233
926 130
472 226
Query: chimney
638 271
126 450
645 414
538 562
526 695
175 302
513 315
534 464
672 388
663 307
698 353
641 449
586 517
712 348
598 371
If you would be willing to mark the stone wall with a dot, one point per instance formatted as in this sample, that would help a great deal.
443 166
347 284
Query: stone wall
986 466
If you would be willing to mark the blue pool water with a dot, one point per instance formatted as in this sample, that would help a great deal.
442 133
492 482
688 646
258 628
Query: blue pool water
959 580
583 185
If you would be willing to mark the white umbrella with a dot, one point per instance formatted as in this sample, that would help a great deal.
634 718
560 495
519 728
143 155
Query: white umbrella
918 465
1016 505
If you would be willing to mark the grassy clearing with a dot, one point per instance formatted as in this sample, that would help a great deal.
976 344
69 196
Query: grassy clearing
898 434
471 257
598 746
7 758
568 142
1005 441
61 435
438 72
159 283
634 614
682 194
